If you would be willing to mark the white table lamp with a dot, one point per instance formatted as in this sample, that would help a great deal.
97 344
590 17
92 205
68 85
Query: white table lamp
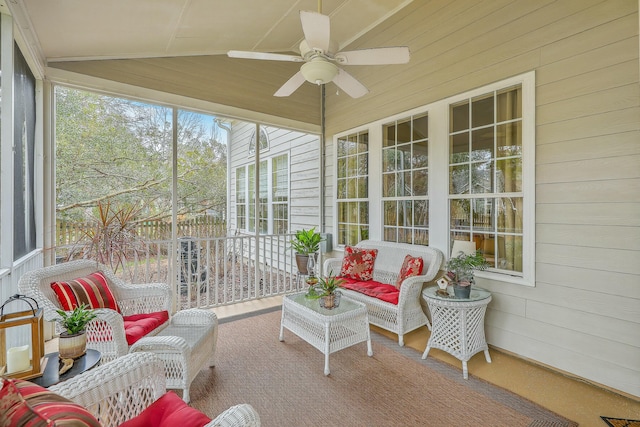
464 246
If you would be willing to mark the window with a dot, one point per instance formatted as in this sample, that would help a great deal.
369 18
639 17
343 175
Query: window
241 198
273 213
462 168
485 176
405 180
264 142
353 188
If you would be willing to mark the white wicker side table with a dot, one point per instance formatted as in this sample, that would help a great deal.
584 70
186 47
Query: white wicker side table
326 330
185 347
457 325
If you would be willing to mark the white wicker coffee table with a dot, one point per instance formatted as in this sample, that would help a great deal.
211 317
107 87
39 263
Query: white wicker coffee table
457 325
327 330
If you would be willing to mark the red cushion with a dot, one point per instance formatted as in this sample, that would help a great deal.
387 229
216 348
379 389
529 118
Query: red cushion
412 266
137 326
358 263
382 291
23 403
92 290
168 411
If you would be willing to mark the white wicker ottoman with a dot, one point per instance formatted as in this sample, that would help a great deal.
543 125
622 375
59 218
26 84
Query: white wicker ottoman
326 330
185 346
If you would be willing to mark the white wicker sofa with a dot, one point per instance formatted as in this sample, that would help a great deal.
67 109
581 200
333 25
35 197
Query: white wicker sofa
122 389
107 332
408 314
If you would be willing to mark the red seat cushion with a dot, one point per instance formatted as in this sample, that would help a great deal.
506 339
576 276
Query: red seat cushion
92 290
169 411
382 291
137 326
23 403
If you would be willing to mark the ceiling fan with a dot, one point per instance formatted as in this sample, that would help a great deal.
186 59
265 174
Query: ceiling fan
319 55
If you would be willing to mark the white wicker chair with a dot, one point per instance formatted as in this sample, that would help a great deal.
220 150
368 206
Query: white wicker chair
121 389
105 333
408 314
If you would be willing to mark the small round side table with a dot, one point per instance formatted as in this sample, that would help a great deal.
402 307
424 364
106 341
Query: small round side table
457 325
50 376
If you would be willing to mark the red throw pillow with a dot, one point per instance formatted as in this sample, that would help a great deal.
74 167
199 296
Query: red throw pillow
168 411
92 290
412 266
358 263
23 403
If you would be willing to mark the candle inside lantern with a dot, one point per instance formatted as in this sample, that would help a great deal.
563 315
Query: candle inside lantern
18 359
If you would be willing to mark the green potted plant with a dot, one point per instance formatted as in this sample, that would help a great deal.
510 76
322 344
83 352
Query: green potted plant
72 342
305 243
460 271
326 290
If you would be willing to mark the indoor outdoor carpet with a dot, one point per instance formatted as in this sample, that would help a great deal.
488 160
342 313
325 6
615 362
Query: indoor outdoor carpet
620 422
284 382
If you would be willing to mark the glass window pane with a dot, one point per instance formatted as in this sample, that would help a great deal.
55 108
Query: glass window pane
342 147
459 179
389 185
404 157
421 213
459 148
364 212
342 167
342 188
390 213
482 111
482 144
352 188
352 144
388 135
420 127
363 142
482 177
403 134
390 234
459 116
509 175
421 236
362 188
509 214
420 182
509 139
420 154
460 213
363 165
510 253
483 215
509 104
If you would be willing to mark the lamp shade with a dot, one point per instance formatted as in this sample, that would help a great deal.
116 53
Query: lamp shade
464 246
319 71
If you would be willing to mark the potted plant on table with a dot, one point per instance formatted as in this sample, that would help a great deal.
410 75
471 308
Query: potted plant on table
326 290
306 243
72 343
460 272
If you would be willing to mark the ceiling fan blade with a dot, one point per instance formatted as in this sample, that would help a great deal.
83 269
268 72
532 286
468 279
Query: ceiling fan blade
264 55
374 56
317 30
349 84
291 85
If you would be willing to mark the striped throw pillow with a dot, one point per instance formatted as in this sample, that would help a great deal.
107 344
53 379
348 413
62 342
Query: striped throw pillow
23 403
92 290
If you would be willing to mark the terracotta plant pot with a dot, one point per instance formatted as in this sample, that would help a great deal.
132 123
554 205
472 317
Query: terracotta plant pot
72 346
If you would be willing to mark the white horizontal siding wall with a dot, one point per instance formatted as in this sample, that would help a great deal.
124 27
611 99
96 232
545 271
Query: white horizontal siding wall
583 315
304 163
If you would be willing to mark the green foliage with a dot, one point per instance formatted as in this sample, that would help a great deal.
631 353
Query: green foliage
325 286
115 149
76 320
460 268
306 242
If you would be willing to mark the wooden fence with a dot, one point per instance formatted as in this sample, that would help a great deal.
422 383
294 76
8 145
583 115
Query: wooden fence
69 233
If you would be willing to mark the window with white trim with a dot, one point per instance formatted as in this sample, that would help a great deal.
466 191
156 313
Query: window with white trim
485 176
273 211
471 176
405 180
353 188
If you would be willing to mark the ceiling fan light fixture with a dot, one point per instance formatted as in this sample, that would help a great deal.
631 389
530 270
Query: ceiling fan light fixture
319 71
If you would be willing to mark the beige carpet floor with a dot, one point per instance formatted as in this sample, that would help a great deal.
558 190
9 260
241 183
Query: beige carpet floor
284 382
